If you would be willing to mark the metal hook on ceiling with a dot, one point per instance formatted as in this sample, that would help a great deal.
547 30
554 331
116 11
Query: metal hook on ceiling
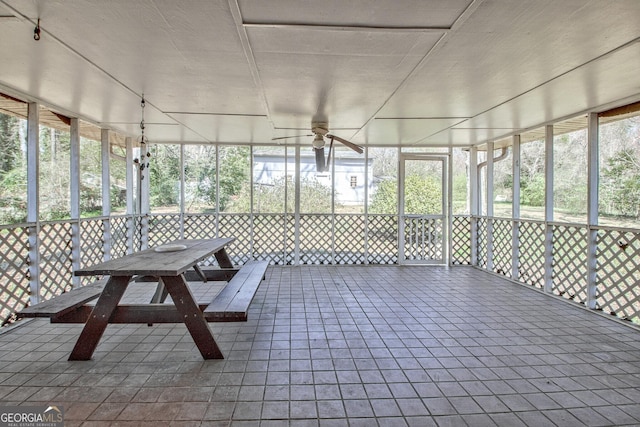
36 31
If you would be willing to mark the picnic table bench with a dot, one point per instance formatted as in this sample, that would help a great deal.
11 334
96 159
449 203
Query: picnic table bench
169 268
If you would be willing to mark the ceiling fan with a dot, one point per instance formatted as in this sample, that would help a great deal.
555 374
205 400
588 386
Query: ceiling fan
320 132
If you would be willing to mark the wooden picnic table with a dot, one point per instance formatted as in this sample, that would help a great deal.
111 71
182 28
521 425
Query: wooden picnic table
168 266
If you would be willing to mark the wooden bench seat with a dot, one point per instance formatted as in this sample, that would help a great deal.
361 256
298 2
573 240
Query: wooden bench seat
232 303
66 302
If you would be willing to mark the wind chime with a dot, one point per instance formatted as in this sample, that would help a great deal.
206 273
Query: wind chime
141 163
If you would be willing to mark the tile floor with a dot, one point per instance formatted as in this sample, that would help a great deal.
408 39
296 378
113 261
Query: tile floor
347 346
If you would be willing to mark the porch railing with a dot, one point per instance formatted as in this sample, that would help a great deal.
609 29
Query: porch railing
512 248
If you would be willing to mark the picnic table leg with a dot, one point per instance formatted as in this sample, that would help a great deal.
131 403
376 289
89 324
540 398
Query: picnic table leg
99 318
192 316
223 259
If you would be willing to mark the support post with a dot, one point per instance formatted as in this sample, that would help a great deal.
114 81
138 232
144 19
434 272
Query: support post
367 177
105 151
182 202
144 196
592 208
33 199
131 210
515 208
473 202
449 208
296 258
74 132
548 209
489 193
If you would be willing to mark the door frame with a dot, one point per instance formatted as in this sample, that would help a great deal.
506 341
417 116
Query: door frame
445 159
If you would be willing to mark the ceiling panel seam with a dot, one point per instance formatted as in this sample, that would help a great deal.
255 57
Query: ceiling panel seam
248 53
466 13
563 74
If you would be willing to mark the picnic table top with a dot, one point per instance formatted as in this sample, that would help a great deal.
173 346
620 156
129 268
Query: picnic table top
151 262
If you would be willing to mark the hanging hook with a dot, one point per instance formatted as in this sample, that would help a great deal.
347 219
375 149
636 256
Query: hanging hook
36 31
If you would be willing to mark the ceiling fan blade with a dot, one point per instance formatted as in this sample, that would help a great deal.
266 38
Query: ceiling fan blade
292 136
349 144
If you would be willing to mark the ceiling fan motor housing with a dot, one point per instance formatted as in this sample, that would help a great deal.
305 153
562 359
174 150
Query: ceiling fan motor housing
318 141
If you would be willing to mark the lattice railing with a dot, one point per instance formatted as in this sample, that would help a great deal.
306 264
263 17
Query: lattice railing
324 239
119 230
382 239
14 280
570 261
55 258
461 240
92 244
163 228
200 226
238 226
502 246
618 272
531 253
481 242
316 243
269 238
349 232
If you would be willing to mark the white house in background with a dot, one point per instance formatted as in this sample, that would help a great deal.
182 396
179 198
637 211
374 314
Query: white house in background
348 171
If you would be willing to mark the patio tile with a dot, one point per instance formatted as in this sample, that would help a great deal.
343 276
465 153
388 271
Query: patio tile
347 346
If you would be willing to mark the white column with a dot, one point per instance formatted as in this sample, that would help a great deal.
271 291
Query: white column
548 209
515 208
74 168
592 207
366 205
145 204
296 258
131 189
473 202
182 201
449 207
105 151
489 193
33 199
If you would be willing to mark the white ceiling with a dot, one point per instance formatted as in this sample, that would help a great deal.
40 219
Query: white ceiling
385 72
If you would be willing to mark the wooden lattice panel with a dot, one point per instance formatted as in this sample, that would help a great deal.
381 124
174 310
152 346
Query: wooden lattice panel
163 229
531 249
349 239
55 259
269 238
461 240
502 247
119 228
618 260
570 262
14 280
316 239
200 226
91 244
382 241
238 226
481 243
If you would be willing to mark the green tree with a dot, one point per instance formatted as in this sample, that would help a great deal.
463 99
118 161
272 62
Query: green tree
9 143
164 175
314 197
621 183
234 173
423 195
